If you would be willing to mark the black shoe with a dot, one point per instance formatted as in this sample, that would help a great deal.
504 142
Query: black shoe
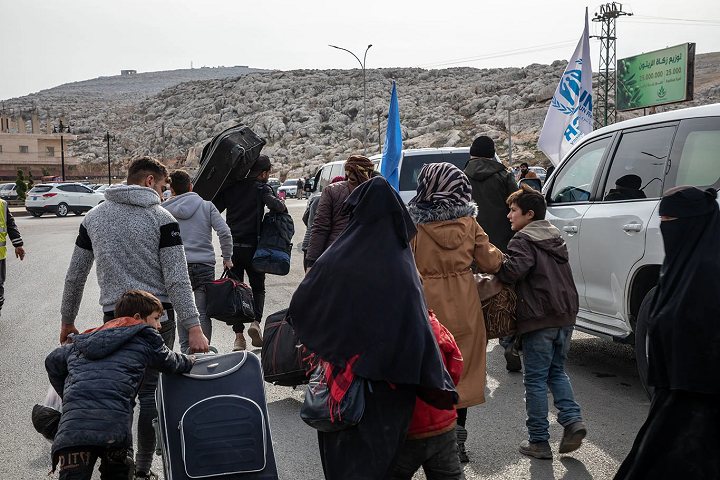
572 437
512 357
461 438
539 450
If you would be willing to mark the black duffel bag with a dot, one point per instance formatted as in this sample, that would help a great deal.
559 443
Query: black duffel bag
229 300
284 359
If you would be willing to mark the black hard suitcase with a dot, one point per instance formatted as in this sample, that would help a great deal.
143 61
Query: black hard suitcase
226 159
213 420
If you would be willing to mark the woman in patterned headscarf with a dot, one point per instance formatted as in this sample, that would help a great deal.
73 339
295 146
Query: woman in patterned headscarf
449 239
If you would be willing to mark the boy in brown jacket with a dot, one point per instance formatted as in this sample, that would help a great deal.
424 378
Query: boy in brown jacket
537 263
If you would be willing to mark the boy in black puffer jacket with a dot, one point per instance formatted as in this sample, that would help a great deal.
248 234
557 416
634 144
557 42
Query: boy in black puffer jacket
98 377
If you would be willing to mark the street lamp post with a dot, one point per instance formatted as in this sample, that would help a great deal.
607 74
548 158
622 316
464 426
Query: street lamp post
109 137
362 65
62 128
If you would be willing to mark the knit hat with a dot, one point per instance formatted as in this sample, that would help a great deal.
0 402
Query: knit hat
483 147
629 181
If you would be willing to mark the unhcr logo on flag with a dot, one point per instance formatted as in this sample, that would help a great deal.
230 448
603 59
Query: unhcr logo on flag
570 115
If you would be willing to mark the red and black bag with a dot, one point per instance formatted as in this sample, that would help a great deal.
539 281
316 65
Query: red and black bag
284 359
229 300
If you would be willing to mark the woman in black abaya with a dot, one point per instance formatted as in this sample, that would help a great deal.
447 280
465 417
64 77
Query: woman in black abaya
361 309
681 436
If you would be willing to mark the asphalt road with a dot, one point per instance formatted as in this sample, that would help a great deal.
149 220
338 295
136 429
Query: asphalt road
603 375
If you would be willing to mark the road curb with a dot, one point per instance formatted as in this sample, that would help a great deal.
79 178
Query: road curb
19 212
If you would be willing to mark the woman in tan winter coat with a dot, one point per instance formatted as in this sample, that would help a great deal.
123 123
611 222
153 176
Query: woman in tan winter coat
449 239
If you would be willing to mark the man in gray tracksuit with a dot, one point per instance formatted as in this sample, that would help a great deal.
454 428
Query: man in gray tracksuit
197 219
136 244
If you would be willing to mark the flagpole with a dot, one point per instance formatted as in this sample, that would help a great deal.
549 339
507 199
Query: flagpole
362 65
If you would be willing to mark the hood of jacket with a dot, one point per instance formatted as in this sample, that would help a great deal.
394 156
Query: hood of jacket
449 234
132 195
183 206
103 341
547 237
424 215
482 168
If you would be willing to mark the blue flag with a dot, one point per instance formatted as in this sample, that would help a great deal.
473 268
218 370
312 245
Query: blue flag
392 150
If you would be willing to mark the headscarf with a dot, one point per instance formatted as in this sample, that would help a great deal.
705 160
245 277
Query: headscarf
364 297
442 184
358 170
339 178
684 324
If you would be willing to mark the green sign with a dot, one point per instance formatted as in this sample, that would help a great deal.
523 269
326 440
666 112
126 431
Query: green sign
656 78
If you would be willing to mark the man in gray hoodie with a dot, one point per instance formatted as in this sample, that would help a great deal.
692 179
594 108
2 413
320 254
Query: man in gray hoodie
136 244
197 219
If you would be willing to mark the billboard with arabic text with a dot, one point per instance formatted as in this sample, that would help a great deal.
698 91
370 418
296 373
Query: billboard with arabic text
656 78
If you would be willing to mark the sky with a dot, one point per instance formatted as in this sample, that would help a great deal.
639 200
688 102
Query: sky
48 43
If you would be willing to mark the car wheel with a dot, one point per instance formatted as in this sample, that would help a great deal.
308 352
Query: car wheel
62 210
36 214
641 341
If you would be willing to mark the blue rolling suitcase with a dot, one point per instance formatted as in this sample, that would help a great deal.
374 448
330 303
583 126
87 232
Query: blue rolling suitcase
213 420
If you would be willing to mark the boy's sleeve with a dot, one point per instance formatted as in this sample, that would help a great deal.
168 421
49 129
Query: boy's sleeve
165 360
175 274
223 232
56 366
77 273
12 229
517 263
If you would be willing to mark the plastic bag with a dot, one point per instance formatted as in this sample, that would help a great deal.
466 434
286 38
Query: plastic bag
53 400
46 417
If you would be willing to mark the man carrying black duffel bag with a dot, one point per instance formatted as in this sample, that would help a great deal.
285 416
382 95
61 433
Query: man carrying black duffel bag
245 202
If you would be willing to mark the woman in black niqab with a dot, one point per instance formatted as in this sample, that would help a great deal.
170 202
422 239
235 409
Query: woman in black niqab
362 307
681 436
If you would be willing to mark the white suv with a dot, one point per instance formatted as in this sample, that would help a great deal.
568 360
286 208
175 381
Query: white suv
61 198
604 197
411 162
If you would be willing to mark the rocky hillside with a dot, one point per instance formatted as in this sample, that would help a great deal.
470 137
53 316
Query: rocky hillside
310 117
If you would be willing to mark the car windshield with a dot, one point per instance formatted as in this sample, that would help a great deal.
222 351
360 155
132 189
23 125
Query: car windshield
41 189
290 182
9 186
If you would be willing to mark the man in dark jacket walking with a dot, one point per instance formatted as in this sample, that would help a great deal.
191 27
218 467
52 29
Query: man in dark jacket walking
245 202
492 184
537 263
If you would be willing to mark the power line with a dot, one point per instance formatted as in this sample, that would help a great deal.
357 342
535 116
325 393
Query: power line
671 19
507 53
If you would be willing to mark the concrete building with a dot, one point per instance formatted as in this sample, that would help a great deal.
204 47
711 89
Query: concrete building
32 151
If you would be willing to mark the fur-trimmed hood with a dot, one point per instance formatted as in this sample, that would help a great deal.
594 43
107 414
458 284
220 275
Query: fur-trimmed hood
423 216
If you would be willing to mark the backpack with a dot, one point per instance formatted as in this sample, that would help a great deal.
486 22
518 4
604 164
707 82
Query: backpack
272 254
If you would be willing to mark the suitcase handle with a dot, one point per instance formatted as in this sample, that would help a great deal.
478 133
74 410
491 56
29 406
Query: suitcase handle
209 358
213 351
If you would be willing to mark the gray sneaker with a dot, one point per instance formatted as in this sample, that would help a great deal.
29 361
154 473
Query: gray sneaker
572 437
539 450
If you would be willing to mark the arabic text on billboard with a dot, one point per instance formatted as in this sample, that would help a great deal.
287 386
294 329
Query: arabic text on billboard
654 78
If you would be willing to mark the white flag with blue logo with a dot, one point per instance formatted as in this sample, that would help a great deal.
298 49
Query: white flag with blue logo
570 115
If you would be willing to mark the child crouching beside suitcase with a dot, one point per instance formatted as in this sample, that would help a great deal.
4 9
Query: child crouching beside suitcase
98 376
